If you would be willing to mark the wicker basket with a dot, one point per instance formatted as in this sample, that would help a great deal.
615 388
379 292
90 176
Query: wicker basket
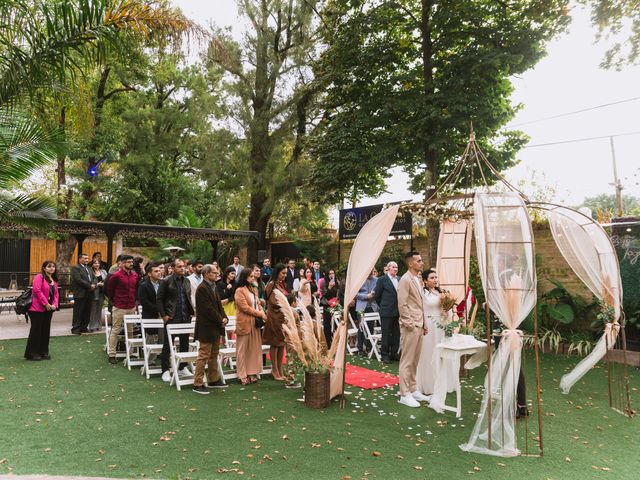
317 390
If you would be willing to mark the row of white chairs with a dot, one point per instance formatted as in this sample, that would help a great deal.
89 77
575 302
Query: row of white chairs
139 352
370 326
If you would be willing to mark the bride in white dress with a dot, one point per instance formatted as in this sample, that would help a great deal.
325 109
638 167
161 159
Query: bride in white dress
426 372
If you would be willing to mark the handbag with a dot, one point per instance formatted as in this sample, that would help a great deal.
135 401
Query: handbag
259 322
332 302
24 301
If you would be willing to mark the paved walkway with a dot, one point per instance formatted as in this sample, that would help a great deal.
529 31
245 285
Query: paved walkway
14 326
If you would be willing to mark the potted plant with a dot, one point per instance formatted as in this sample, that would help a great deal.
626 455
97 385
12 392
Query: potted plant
305 339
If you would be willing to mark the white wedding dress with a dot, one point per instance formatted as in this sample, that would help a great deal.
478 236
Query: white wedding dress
426 372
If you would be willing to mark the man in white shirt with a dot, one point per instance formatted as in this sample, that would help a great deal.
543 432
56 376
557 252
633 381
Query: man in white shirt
236 265
386 297
413 327
195 279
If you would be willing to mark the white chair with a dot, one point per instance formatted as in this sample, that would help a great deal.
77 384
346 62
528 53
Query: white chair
149 349
374 335
107 333
352 332
181 357
132 344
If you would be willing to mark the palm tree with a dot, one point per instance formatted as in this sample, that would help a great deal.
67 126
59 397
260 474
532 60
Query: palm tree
44 42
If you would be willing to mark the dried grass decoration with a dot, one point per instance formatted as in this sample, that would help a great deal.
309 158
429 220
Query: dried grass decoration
307 338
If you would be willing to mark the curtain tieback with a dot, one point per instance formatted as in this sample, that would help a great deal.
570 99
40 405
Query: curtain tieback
513 338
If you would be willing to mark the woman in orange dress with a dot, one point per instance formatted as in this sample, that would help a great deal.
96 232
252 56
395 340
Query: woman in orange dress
250 318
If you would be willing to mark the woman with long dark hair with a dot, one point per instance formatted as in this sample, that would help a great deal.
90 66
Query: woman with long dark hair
250 318
273 334
44 302
226 290
98 276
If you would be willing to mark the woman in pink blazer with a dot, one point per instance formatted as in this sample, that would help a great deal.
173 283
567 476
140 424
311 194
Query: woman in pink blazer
44 301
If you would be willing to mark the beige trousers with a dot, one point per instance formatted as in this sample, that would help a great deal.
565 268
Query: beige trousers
411 349
207 355
117 316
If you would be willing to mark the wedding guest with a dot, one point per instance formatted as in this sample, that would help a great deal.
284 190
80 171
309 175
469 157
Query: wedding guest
98 277
98 256
298 280
226 290
273 334
291 274
148 298
161 268
330 290
82 289
210 323
366 303
386 295
250 318
257 274
236 265
195 279
121 289
44 295
308 288
266 271
174 305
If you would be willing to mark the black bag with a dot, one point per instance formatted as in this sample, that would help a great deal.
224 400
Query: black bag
368 308
23 302
259 322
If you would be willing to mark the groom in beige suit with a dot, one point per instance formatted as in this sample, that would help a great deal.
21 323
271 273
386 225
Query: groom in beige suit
413 328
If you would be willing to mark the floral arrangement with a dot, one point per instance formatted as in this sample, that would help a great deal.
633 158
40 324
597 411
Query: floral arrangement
447 301
449 323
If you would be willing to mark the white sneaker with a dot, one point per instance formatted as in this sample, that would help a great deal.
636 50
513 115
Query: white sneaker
419 396
185 372
409 401
166 376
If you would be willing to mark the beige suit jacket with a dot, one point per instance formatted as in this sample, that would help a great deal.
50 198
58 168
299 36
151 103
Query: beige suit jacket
410 303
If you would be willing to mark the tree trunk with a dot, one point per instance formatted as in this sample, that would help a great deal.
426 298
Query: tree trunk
430 155
64 252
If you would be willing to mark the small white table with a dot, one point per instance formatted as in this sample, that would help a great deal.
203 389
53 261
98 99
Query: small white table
450 353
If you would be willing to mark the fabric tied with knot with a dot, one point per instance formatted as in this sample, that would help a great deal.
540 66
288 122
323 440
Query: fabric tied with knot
512 338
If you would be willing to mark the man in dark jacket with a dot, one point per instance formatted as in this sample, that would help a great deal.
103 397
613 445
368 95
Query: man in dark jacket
174 306
386 297
82 289
292 274
210 323
148 300
121 289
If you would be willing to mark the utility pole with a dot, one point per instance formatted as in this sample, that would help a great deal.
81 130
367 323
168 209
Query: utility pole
616 181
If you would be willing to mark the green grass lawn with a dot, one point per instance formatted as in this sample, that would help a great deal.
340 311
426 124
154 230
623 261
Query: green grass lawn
77 415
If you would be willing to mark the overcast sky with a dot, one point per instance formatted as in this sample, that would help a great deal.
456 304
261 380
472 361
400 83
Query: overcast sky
568 79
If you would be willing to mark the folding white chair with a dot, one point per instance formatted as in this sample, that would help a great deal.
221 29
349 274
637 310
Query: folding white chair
132 344
107 332
149 349
374 335
181 357
352 332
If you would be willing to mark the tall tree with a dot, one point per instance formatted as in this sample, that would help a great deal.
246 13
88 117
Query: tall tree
271 96
406 77
619 21
42 44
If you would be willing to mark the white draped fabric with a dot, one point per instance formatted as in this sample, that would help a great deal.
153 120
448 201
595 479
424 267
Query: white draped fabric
589 252
365 252
507 269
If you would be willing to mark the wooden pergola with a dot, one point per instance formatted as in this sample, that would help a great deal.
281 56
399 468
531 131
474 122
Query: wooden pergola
81 229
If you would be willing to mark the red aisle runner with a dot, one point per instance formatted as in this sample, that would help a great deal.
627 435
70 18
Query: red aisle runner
369 379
